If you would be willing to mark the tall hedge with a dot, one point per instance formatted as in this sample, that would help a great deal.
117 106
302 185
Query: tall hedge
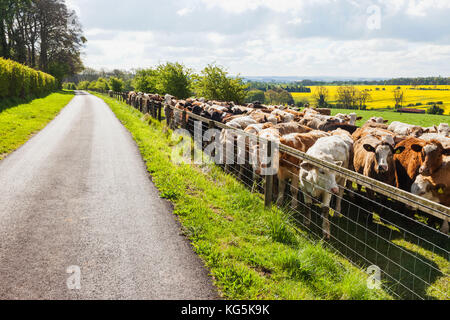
19 81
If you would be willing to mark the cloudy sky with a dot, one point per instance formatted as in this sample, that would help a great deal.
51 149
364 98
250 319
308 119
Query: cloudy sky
349 38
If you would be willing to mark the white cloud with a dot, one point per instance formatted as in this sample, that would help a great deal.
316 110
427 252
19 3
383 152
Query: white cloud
271 37
184 12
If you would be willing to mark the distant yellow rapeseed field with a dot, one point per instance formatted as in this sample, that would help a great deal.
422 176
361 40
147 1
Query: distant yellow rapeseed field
383 96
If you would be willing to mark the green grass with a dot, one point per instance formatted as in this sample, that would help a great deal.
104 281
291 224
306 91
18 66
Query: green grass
19 121
251 252
424 120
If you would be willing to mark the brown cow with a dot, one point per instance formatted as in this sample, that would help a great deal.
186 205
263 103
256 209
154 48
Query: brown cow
418 157
374 158
435 187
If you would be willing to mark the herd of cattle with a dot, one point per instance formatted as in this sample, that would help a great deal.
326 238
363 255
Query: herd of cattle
412 158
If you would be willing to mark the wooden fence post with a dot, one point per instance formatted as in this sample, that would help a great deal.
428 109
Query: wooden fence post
183 120
268 188
159 112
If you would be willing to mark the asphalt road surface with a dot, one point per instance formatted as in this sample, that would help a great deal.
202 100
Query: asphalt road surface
77 198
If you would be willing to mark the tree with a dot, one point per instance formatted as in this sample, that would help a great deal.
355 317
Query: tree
255 95
83 85
347 96
279 96
435 110
363 97
43 34
399 98
174 79
116 84
145 81
214 83
320 97
102 84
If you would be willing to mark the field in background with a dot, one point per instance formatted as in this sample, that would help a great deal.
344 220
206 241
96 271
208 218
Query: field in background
385 98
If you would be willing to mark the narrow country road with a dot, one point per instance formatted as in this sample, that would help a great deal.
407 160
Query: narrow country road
78 194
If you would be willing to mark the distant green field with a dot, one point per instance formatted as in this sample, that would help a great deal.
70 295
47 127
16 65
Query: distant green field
424 120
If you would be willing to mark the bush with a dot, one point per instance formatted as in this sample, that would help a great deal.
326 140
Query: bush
116 84
435 110
69 86
19 81
255 95
83 85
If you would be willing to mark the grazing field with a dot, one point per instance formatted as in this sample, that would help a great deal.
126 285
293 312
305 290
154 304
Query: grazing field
383 97
252 252
20 121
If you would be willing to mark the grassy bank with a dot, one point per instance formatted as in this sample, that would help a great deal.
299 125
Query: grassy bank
251 252
19 121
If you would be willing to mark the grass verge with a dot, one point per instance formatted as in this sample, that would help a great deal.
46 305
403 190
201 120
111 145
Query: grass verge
251 252
19 121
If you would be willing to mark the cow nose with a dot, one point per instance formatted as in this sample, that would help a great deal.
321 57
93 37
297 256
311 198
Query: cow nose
383 168
335 190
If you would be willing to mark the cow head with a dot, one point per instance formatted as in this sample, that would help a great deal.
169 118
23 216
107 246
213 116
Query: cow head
384 153
424 188
312 175
432 156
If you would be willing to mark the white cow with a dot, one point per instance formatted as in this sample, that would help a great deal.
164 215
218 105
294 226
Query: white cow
322 183
405 129
444 129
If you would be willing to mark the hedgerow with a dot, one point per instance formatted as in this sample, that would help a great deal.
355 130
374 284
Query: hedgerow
19 81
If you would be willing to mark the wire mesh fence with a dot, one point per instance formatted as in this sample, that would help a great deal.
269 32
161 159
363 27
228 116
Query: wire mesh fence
371 224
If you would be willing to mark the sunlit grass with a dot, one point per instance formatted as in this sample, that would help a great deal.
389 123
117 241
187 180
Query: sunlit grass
18 122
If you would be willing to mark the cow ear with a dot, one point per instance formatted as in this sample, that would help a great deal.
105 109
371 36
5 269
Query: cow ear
446 152
399 150
369 148
306 166
385 121
359 118
416 148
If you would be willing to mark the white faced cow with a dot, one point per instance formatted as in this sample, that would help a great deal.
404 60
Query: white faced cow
319 182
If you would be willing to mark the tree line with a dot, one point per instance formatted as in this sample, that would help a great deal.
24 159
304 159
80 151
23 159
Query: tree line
421 81
42 34
213 82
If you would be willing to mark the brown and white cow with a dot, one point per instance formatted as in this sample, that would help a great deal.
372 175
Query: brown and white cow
418 157
435 187
374 158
